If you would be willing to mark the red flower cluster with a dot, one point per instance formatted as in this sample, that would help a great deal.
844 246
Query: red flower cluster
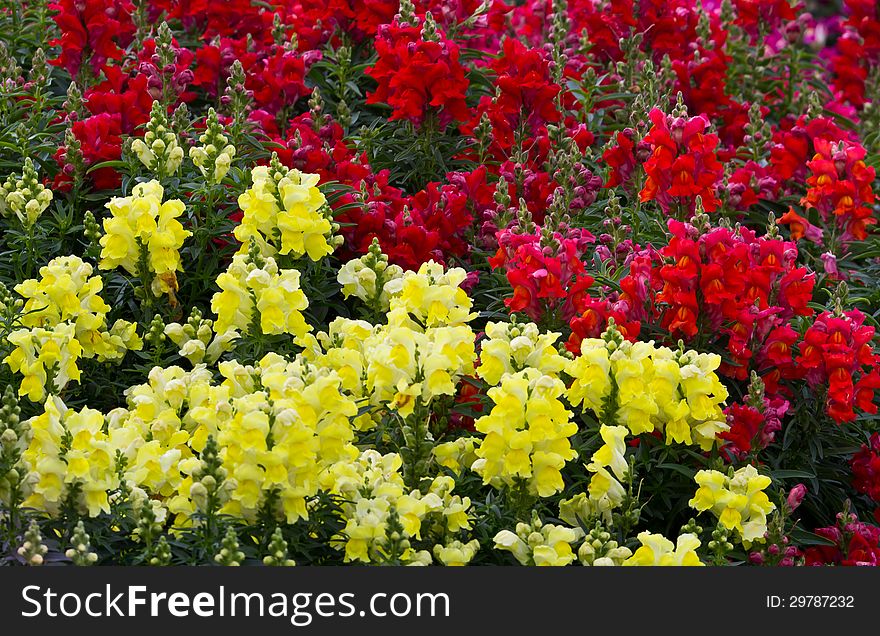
92 33
683 164
727 282
545 271
751 428
855 543
840 187
679 160
836 351
418 73
857 50
525 97
428 225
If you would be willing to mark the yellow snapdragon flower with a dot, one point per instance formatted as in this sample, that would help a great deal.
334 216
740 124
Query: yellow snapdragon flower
540 544
213 156
67 292
738 500
404 365
24 196
47 358
274 294
676 392
431 297
159 150
86 459
457 454
284 212
371 487
526 434
657 550
143 221
457 553
510 348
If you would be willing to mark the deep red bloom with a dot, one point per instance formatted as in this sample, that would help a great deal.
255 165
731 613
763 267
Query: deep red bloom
416 75
92 32
683 164
840 187
100 138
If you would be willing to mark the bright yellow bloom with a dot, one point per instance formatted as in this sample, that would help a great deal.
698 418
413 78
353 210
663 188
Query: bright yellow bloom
284 212
67 292
372 488
658 550
540 544
273 294
676 392
738 500
526 434
46 358
512 347
431 297
591 373
68 448
456 552
456 455
143 221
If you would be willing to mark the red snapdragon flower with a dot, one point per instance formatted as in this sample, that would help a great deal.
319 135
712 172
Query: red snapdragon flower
546 274
93 32
855 543
100 138
683 164
416 74
840 187
836 351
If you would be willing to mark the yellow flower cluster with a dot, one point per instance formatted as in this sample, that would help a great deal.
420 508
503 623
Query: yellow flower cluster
609 468
142 225
648 388
263 296
457 454
738 500
657 550
280 427
45 357
404 366
373 489
537 543
422 353
69 452
342 348
24 195
510 348
431 297
281 438
456 553
284 214
393 366
526 434
64 319
196 340
67 292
